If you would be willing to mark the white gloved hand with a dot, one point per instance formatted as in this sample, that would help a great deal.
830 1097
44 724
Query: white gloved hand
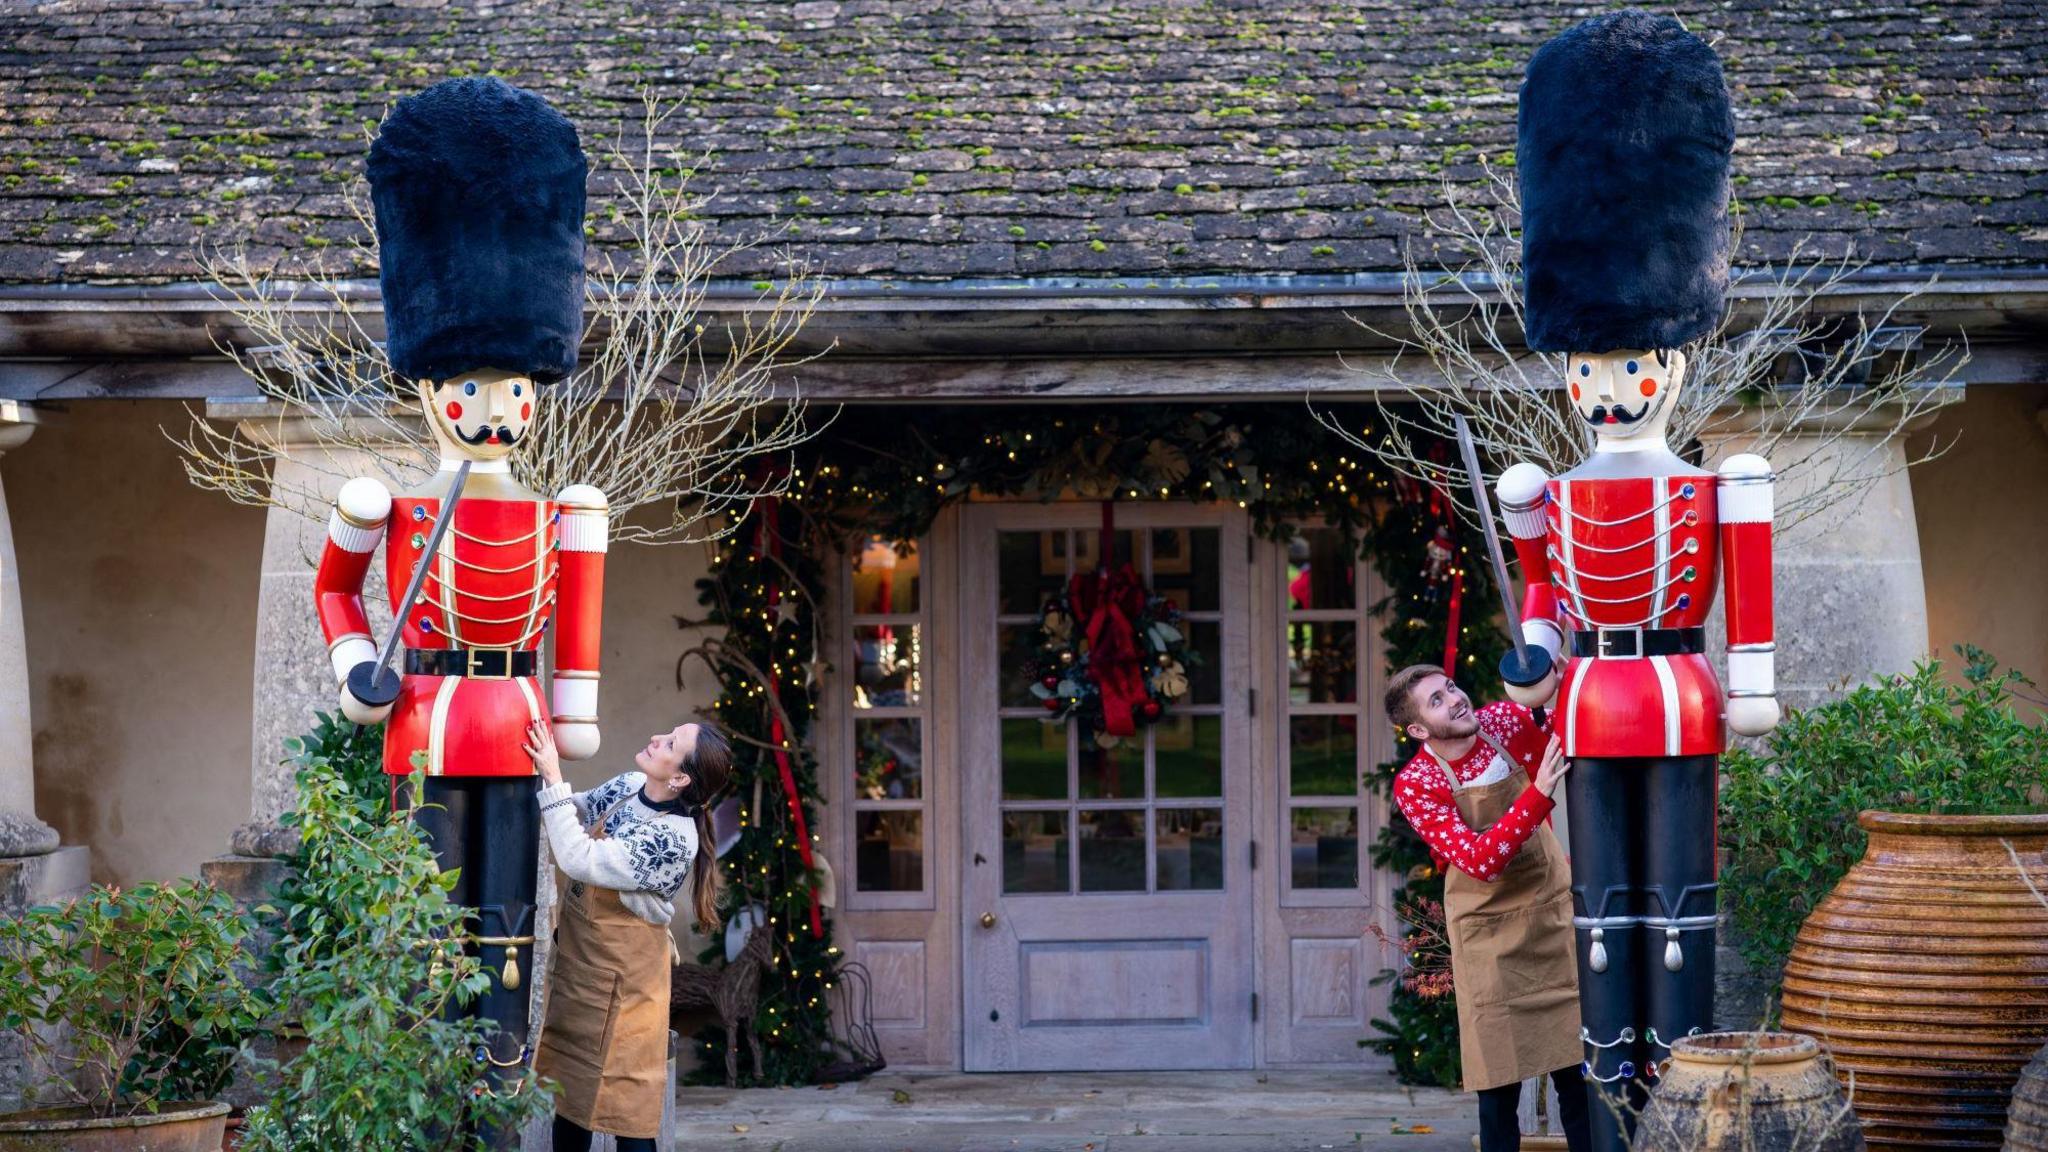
1542 694
575 739
1753 715
360 713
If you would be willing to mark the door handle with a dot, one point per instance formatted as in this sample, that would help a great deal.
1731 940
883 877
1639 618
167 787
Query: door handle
988 919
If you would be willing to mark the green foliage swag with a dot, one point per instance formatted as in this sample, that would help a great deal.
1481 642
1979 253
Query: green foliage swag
127 1001
367 959
1911 743
890 471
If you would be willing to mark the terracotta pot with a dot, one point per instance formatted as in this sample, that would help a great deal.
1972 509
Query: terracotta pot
177 1128
1925 972
1741 1091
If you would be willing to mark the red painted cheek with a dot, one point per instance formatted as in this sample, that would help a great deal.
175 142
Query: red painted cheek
1649 387
1575 391
526 411
454 410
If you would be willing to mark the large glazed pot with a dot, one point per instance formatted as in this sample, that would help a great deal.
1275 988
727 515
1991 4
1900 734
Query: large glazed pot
1925 973
1747 1092
176 1128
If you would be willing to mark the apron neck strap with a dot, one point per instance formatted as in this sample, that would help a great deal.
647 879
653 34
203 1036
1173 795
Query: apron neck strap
1484 736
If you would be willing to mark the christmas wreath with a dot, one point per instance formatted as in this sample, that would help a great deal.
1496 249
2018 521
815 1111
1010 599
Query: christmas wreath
1111 653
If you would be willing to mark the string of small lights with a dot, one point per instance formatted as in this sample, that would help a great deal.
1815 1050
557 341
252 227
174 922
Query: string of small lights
888 471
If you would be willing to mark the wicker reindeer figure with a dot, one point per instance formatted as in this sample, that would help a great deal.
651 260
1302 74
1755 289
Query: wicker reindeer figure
733 993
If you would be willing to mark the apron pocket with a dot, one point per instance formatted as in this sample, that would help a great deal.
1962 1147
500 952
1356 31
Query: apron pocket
580 1019
1519 953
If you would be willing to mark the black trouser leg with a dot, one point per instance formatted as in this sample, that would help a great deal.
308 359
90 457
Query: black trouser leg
1572 1109
1678 880
570 1136
1604 798
1500 1126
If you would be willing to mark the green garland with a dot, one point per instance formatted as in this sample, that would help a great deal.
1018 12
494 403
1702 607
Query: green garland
890 471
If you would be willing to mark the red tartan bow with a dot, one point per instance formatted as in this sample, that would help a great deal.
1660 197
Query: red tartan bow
1107 602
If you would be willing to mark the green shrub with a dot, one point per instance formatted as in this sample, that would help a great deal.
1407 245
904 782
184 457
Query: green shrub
1912 743
127 1000
367 965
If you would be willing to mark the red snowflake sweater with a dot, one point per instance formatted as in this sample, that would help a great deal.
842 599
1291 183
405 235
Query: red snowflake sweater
1428 802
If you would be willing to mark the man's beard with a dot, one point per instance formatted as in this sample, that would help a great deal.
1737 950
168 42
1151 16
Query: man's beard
1454 729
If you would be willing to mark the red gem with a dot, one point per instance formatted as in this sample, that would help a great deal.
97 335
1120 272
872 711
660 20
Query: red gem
1052 705
454 410
1050 681
1150 708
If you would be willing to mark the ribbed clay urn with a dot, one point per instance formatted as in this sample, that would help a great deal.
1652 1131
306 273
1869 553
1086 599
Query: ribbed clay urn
1925 973
1747 1092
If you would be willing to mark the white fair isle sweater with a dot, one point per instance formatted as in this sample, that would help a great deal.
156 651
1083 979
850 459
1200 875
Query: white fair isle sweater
645 855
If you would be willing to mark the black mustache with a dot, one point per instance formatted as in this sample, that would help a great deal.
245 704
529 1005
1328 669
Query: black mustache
1601 412
486 433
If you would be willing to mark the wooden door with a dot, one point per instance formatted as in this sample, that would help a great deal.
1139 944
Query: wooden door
1106 911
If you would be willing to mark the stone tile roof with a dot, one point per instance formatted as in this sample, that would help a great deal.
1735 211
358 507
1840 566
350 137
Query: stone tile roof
996 138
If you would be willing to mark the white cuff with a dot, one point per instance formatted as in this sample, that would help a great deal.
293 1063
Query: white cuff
574 698
586 523
554 792
1752 671
348 652
1522 491
1544 634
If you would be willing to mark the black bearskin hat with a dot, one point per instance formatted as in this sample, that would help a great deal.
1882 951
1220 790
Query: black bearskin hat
1623 154
478 188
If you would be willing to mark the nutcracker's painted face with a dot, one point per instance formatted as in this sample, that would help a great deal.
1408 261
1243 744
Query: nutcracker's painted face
1441 709
1625 395
480 415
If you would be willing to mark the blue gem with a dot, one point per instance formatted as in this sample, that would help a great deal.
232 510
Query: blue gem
1686 492
1684 600
1627 1069
419 512
426 626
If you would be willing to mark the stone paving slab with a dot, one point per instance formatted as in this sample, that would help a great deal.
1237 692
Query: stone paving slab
1280 1111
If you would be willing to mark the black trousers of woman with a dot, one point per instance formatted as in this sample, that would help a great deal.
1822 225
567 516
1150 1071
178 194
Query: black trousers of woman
1643 894
569 1137
1500 1125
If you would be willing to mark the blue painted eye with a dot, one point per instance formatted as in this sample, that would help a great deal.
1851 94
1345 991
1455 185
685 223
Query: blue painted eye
1631 367
515 389
1585 369
469 386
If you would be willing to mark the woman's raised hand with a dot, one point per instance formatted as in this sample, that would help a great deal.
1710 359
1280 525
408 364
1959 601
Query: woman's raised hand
540 745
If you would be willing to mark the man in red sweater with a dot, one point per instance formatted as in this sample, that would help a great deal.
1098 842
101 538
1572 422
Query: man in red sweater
1470 794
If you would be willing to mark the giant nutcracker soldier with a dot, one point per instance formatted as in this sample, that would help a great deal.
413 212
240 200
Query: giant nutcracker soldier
479 191
1623 156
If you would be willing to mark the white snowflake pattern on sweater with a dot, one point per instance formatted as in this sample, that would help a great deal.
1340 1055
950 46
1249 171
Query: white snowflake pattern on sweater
646 852
1426 798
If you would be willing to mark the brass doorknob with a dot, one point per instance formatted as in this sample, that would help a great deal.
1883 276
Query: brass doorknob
988 919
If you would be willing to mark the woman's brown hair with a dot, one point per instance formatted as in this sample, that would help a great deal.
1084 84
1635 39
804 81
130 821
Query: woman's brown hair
710 769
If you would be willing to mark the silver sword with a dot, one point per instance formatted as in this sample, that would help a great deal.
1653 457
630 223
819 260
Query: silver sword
379 686
1524 660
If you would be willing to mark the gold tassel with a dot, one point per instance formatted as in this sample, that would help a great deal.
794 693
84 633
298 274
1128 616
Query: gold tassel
510 976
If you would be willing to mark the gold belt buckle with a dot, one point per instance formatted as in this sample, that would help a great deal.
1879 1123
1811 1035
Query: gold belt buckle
475 669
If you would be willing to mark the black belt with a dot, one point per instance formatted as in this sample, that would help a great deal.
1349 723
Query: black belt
475 663
1625 642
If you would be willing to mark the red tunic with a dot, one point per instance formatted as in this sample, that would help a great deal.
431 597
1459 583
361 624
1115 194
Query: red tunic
1426 798
493 585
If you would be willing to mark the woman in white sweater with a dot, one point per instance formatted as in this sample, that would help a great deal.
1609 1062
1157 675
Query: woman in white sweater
624 850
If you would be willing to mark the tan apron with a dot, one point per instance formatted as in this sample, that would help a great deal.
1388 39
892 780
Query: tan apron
1514 962
606 1039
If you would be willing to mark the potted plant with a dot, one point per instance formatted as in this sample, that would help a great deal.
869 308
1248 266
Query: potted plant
1885 850
129 1014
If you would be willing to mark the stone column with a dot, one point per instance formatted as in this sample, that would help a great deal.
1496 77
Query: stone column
1848 594
293 680
33 867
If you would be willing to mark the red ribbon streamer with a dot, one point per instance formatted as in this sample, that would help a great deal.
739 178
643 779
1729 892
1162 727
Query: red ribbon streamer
1107 602
770 544
1451 627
